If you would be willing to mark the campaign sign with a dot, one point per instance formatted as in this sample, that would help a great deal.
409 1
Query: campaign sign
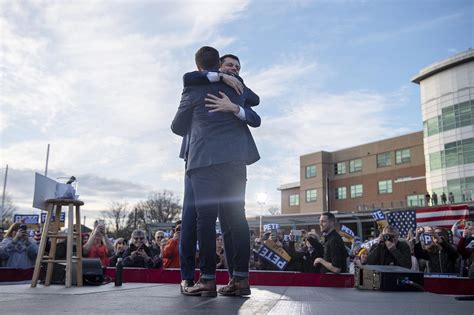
380 218
271 226
368 245
426 238
347 230
61 218
274 254
26 218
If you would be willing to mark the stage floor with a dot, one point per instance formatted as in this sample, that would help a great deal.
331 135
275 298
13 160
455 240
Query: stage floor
140 298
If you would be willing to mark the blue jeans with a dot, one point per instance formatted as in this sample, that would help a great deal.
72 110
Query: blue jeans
220 190
187 241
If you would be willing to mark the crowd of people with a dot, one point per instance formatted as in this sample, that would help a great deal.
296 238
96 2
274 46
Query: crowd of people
429 249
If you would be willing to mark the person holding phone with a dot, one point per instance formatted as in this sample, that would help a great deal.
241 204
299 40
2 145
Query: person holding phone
98 245
138 254
440 254
17 250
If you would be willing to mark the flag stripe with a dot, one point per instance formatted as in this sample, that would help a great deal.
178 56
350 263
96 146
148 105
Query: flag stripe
440 223
442 213
436 209
445 217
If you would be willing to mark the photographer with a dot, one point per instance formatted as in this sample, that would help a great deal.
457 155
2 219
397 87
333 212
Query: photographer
17 250
389 251
138 254
302 260
440 255
119 249
98 245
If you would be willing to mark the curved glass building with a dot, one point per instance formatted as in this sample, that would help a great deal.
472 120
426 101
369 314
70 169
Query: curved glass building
447 107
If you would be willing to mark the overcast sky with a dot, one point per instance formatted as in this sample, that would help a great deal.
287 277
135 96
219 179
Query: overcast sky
101 81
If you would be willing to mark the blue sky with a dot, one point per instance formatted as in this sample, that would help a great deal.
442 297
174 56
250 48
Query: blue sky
101 81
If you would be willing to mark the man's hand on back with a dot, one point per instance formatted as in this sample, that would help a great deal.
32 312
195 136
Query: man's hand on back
221 104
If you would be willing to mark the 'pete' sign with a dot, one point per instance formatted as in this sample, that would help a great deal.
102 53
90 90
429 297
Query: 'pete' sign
274 254
26 218
61 218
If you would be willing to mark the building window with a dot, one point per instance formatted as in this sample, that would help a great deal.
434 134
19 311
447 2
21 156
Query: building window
341 193
355 166
340 168
384 159
385 187
455 116
455 153
294 200
415 200
357 191
402 156
310 171
311 195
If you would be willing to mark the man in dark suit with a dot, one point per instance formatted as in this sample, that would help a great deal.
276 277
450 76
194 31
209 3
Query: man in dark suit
229 74
220 147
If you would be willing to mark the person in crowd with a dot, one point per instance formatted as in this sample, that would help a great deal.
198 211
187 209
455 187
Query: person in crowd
467 253
335 254
451 197
434 199
359 259
441 255
2 233
443 198
389 250
302 259
99 245
138 254
37 237
156 247
119 250
17 250
85 238
427 198
171 250
220 252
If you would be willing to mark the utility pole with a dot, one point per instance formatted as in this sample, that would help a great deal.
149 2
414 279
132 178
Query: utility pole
47 161
3 196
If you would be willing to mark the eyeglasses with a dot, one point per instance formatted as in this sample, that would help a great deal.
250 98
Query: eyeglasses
159 236
138 238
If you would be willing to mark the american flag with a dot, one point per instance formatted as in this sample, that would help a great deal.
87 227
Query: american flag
403 220
442 216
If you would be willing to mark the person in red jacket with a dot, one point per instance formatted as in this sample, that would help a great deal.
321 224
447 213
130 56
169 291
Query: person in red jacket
171 250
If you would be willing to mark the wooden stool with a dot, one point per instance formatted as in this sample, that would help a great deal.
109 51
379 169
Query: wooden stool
50 230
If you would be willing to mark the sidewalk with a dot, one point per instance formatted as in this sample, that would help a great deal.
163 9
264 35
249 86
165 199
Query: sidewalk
139 298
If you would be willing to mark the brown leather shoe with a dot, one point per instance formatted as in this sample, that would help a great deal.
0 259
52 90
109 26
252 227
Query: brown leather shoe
202 288
236 288
185 284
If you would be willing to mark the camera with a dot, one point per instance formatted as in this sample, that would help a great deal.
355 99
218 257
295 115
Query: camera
23 227
388 237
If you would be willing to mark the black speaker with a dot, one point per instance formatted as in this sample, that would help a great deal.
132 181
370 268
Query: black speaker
92 272
387 278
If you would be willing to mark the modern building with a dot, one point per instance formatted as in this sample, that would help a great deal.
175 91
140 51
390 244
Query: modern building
384 174
447 106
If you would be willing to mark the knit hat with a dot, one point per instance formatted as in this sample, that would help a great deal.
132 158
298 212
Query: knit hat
362 250
37 236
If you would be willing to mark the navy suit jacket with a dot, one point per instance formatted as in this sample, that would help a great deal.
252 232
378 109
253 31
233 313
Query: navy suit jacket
200 78
215 138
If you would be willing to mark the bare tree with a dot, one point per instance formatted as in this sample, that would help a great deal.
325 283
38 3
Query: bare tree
160 207
8 211
136 218
274 210
116 216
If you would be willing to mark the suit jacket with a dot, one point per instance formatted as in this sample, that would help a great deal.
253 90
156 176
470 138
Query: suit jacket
215 138
200 78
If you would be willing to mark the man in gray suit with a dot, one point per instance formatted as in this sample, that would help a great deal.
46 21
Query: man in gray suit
220 147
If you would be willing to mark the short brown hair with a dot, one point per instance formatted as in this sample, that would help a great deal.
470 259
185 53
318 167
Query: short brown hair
207 58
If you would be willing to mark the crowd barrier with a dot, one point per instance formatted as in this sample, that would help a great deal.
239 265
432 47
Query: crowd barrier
440 284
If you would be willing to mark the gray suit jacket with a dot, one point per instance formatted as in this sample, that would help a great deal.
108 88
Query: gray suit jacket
215 138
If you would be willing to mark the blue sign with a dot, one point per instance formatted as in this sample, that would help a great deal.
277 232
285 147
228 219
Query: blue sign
26 218
271 226
272 257
378 215
61 218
